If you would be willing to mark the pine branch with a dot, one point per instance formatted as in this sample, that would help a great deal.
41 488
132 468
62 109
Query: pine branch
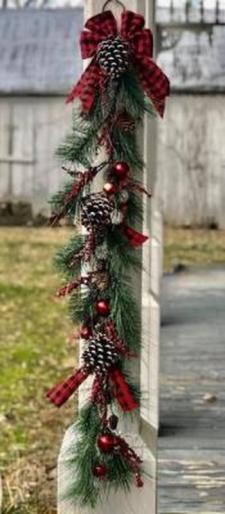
121 253
67 255
81 305
65 201
84 455
134 210
81 144
85 488
124 311
131 97
126 148
57 203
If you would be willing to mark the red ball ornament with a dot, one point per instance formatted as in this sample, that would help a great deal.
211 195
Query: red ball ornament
106 443
103 308
85 332
109 188
100 471
120 169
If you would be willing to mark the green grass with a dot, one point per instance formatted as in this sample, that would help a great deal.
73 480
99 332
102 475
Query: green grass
197 247
35 352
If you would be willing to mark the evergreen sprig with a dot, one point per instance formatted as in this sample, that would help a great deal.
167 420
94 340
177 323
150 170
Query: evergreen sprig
67 253
57 202
84 455
80 144
132 99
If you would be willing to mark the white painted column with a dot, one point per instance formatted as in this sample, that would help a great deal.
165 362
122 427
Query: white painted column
144 430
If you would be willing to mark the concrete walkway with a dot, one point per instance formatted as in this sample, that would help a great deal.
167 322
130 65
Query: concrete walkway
192 434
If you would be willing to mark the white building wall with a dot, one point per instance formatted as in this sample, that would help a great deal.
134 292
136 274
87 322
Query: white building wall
191 160
30 130
190 184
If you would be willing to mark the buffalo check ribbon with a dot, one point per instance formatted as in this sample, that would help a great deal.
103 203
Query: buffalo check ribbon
60 393
121 391
136 239
104 26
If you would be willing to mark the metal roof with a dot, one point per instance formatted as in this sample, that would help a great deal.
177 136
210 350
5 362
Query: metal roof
39 50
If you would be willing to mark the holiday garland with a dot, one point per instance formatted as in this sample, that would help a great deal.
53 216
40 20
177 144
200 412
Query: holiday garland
119 86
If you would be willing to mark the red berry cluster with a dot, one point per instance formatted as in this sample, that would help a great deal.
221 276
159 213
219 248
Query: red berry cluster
120 171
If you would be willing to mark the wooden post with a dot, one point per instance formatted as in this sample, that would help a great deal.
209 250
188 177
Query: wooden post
144 430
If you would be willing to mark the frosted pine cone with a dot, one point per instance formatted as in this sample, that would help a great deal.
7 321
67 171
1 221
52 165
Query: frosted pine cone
96 211
100 354
113 56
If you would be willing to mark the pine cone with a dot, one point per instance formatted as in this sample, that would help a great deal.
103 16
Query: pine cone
96 210
113 56
101 280
100 355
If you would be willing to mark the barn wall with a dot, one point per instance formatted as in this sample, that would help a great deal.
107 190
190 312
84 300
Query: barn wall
191 160
30 130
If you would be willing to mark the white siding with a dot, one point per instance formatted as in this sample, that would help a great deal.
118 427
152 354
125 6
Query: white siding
30 131
191 160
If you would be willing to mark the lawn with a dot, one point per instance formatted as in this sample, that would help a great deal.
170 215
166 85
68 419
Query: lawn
36 349
34 352
193 247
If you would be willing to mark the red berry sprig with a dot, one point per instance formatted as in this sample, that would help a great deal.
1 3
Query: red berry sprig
120 170
103 307
85 332
109 188
106 443
100 471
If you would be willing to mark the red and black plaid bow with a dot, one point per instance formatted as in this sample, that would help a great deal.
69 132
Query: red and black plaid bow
102 27
61 392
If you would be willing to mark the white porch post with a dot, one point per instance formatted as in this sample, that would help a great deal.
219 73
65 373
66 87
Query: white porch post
139 501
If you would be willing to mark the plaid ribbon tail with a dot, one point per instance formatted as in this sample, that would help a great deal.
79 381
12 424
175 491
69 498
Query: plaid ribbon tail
61 392
122 392
86 87
154 82
135 238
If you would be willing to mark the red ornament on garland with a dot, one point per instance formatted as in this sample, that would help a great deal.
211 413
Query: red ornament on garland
85 332
109 188
103 308
120 169
106 442
100 471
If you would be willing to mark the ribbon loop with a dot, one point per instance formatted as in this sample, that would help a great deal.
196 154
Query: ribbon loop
142 43
131 22
104 24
